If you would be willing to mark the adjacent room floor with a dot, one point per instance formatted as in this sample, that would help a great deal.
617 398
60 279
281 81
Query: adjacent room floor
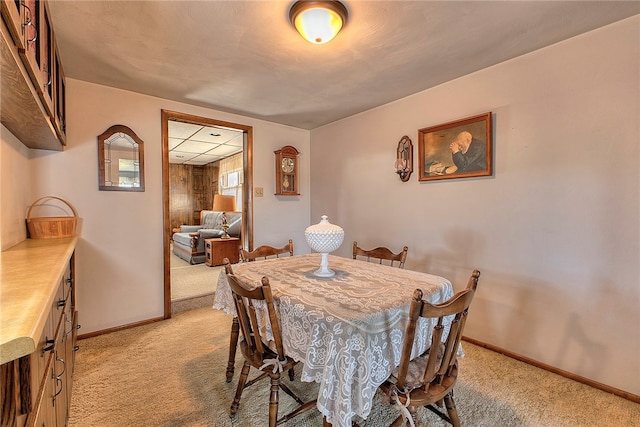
189 281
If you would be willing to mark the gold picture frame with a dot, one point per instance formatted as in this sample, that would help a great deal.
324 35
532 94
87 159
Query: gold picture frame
458 149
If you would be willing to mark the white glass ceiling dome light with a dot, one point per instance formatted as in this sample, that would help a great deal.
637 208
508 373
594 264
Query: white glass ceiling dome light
318 21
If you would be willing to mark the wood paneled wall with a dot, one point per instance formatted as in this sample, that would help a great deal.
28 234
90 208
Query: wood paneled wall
191 189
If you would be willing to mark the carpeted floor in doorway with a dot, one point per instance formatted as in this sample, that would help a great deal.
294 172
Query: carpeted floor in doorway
189 281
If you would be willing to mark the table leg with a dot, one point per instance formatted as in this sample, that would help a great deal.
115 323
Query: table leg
233 345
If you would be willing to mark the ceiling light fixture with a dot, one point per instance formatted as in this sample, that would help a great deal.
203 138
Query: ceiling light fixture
318 21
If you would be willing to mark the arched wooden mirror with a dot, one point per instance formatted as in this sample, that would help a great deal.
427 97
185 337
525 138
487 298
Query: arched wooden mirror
177 132
120 160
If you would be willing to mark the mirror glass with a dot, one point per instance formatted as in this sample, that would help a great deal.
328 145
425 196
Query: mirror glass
120 160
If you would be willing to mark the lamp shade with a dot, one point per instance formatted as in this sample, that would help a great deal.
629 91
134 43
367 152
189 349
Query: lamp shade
318 21
224 203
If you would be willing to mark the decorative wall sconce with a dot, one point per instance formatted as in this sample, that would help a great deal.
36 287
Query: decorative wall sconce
404 159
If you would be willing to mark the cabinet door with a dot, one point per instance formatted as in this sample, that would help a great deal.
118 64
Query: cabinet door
31 54
67 340
57 397
48 400
43 413
74 340
54 393
14 14
39 361
60 397
35 44
45 81
59 93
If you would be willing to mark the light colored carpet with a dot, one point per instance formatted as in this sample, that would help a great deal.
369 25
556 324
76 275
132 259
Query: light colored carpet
172 373
188 281
194 280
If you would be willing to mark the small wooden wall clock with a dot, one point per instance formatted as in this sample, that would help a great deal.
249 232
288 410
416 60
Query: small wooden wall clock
287 171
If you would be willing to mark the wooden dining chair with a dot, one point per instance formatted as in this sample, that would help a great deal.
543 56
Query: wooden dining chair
235 331
272 361
381 254
263 252
429 379
266 251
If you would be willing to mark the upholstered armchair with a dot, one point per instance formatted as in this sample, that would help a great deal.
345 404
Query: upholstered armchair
188 243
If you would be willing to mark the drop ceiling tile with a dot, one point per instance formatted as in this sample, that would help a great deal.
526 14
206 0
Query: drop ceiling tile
238 141
225 150
174 142
196 147
214 135
182 130
180 157
202 159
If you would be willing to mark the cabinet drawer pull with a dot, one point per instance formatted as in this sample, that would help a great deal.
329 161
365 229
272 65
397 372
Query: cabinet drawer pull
27 17
35 37
58 381
49 345
62 302
64 366
28 22
72 328
76 347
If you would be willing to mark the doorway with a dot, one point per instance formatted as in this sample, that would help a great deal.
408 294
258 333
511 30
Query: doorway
247 187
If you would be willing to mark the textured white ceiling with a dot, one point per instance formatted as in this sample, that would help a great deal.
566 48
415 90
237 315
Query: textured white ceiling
244 57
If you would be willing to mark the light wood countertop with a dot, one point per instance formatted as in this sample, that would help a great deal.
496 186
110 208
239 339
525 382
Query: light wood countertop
30 273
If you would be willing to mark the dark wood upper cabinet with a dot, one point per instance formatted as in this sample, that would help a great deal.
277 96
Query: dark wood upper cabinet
33 86
60 99
16 17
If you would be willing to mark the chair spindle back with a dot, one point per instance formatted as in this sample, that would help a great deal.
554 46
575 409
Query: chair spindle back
266 251
381 254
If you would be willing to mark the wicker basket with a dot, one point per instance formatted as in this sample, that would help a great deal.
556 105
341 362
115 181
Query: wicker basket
52 227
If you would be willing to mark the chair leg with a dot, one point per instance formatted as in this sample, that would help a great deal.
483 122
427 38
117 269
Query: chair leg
451 409
241 381
398 422
414 416
273 400
233 345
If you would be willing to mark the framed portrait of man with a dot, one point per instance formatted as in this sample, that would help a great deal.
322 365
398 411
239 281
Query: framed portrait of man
458 149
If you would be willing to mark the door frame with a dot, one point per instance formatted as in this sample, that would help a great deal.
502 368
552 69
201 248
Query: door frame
247 190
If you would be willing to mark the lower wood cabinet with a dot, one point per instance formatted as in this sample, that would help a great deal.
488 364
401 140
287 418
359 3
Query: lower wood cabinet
36 388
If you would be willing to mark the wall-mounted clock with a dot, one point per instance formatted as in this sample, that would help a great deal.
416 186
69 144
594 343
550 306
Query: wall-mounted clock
287 171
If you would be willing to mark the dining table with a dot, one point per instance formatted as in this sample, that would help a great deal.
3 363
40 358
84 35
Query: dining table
346 330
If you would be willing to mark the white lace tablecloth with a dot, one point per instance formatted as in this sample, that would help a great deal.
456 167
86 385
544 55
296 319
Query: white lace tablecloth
346 330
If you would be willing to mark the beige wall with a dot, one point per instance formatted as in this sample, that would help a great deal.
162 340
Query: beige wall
119 256
15 196
555 231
